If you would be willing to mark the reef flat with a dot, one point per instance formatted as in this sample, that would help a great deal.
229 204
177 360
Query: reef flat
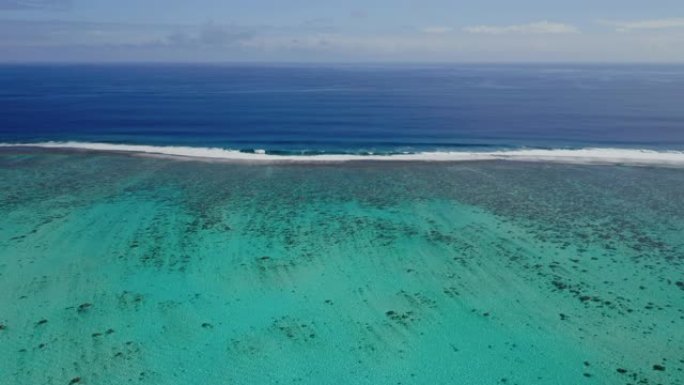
121 269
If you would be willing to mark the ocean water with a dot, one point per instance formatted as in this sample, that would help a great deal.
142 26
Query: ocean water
118 269
186 265
347 108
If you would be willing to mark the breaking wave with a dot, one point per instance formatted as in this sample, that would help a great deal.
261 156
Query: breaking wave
579 156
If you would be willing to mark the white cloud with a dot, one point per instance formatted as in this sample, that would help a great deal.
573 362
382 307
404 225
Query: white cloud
626 26
437 30
540 27
83 41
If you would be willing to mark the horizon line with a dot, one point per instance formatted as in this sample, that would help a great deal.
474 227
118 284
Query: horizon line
340 62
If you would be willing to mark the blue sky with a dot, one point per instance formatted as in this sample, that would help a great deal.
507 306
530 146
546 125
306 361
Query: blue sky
342 31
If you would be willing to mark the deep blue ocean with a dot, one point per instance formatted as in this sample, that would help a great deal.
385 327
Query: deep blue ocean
346 108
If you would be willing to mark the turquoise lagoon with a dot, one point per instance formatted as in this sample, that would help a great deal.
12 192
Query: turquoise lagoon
120 269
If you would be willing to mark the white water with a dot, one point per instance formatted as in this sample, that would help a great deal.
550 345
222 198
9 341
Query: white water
581 156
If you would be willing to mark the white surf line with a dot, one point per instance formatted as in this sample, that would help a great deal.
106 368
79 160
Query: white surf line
579 156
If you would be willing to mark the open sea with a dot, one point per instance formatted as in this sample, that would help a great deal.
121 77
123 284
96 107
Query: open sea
342 224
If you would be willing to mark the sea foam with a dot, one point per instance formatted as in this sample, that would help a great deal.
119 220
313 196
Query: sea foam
579 156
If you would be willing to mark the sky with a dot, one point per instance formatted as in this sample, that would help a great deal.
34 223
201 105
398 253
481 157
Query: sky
342 31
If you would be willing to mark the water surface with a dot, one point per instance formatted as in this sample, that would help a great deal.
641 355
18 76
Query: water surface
123 269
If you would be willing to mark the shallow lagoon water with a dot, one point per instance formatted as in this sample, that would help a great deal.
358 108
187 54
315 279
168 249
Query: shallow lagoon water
122 269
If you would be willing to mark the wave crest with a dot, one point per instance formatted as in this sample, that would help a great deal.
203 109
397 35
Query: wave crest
578 156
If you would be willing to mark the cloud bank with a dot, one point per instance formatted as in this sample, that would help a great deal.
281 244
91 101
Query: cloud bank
653 24
437 30
540 27
321 40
